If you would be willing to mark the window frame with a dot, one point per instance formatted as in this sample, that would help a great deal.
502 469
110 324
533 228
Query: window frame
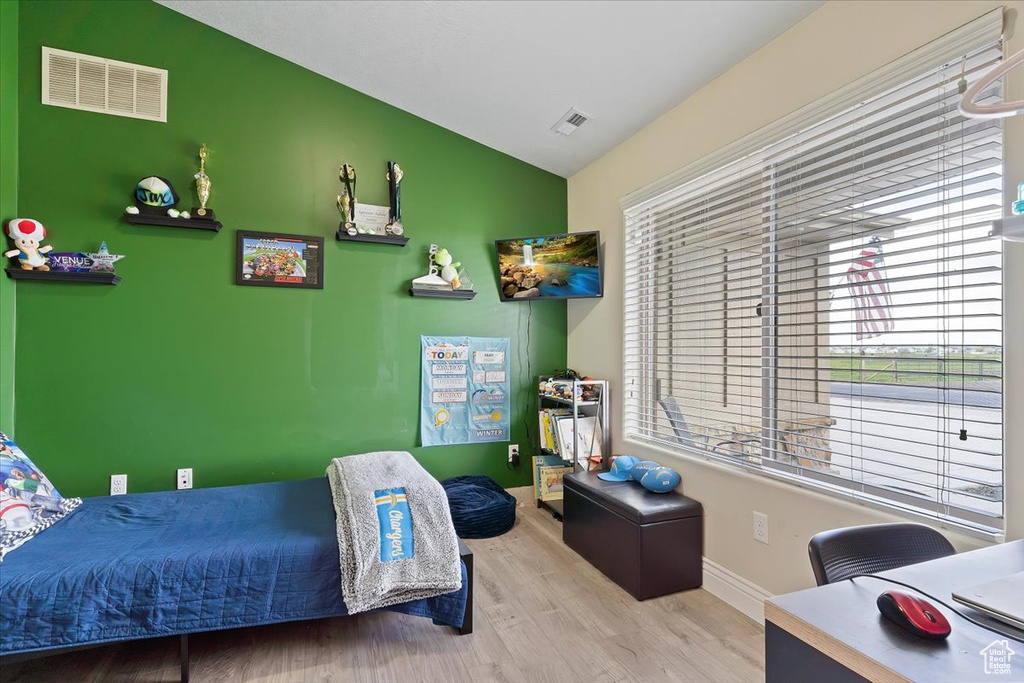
983 30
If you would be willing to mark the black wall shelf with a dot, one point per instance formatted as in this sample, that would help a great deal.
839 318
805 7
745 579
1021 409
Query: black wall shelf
92 278
168 222
455 294
397 240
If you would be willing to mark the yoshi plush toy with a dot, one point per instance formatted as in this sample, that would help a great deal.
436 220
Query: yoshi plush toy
449 272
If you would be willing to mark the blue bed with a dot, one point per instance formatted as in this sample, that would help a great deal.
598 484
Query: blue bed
179 562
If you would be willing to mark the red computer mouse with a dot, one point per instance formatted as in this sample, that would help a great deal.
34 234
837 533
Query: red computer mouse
914 615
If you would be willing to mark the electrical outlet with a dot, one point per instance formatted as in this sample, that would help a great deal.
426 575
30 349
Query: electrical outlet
185 478
761 527
513 454
118 484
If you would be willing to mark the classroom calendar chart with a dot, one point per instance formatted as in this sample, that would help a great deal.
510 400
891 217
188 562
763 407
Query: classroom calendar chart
464 391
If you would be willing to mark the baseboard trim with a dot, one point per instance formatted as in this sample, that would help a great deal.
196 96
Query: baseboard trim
735 591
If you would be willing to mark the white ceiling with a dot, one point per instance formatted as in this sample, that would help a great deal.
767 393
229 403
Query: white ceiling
502 73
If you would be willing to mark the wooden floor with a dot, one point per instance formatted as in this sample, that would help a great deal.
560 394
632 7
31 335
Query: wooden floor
542 614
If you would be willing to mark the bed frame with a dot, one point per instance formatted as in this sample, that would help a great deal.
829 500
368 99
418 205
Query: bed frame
467 626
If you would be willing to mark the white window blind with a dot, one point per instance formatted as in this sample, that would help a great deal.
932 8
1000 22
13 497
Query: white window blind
827 304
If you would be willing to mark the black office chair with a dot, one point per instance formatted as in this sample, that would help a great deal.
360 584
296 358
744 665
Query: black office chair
840 553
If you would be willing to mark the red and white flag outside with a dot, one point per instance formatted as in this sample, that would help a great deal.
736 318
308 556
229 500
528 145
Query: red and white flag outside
871 301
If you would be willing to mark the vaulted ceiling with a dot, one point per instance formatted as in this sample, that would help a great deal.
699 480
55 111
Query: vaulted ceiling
503 73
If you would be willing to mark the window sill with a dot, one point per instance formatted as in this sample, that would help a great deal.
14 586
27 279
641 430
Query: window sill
826 493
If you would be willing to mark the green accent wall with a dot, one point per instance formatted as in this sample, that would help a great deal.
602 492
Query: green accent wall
8 199
179 367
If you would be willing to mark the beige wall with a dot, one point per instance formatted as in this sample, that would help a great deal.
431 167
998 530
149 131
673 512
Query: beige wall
836 45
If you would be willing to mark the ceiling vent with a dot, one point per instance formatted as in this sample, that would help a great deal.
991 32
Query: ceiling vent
105 86
570 122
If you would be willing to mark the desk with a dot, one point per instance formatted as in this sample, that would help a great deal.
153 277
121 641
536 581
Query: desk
835 633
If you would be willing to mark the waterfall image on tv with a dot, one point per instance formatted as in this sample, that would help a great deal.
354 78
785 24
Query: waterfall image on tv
552 267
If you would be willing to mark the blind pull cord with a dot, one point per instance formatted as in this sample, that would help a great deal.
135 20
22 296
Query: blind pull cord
962 86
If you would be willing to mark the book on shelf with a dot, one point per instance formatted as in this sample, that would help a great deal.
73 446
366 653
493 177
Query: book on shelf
548 434
542 427
542 461
431 283
548 471
433 288
551 486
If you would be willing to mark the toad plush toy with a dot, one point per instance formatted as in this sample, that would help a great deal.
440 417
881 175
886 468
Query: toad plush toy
26 234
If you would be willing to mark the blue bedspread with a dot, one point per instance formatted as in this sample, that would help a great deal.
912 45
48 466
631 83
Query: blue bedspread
157 564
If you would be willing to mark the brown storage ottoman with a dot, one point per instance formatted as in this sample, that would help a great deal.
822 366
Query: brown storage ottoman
648 543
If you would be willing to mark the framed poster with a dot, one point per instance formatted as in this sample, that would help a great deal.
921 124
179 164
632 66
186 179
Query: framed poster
276 259
464 390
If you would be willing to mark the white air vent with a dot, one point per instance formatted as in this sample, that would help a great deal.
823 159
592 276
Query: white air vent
102 85
569 122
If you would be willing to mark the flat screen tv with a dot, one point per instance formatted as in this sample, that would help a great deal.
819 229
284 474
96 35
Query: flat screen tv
550 267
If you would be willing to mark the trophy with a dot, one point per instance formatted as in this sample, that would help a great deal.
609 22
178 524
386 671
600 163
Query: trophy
347 200
394 177
203 187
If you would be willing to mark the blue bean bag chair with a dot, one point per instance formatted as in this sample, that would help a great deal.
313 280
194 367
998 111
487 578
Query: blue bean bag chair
480 507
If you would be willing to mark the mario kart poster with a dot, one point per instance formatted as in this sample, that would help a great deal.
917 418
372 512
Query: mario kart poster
279 260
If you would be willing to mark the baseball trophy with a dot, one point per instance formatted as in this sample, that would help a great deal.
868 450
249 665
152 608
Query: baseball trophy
203 188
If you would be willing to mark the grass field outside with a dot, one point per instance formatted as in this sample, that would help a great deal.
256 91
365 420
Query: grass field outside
916 368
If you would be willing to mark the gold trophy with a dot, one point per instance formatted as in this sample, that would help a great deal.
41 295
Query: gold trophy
344 204
203 187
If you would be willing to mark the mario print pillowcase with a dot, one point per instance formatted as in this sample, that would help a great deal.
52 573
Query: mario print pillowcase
28 501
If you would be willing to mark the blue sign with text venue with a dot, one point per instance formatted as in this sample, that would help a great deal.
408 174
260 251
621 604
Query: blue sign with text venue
395 525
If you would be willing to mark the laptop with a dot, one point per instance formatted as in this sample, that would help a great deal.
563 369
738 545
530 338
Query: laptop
1002 599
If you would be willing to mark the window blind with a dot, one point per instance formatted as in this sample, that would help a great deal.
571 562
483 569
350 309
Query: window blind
827 306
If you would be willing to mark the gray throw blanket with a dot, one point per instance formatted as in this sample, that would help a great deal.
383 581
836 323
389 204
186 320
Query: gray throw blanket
395 533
